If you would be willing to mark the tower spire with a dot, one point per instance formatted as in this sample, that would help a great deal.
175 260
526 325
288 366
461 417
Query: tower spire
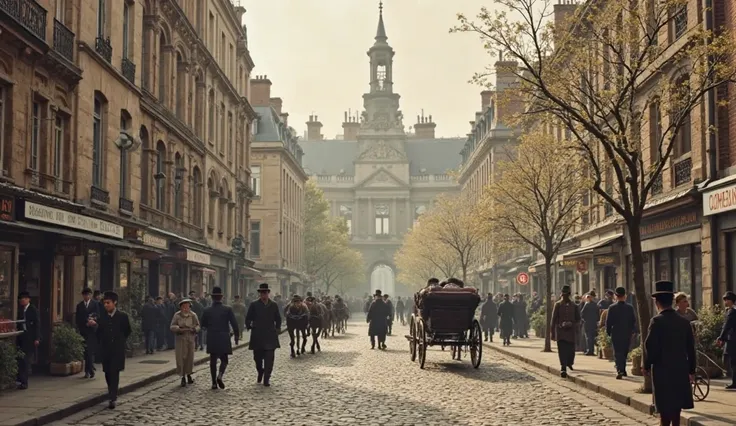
381 33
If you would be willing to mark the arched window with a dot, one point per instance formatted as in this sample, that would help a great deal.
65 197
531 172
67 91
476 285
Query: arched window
199 107
146 55
98 138
178 188
683 138
221 136
125 123
162 72
211 116
181 95
212 201
145 166
160 176
196 197
221 225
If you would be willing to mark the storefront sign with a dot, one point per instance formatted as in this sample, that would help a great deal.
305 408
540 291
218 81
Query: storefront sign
155 241
7 209
670 224
602 261
72 220
522 278
580 265
719 201
197 257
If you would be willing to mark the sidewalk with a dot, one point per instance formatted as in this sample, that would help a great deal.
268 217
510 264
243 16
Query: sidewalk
718 409
49 398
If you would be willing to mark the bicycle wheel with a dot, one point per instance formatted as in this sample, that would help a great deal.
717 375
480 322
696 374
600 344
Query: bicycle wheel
701 384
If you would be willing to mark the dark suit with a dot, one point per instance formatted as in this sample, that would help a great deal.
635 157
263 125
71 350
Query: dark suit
670 355
264 321
26 341
82 315
112 333
489 318
151 321
590 315
218 319
377 317
728 336
621 325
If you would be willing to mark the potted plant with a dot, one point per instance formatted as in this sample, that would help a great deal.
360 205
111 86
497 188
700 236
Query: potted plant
635 356
605 344
8 363
707 329
131 301
538 322
67 351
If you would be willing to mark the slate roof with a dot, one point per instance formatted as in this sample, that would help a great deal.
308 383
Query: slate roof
267 125
329 157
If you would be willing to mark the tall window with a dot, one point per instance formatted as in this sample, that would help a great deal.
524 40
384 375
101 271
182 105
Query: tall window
655 131
211 116
101 13
181 95
222 225
58 167
35 138
61 11
346 212
125 121
683 138
145 166
162 70
381 76
160 176
255 177
178 171
97 138
230 140
223 134
679 21
255 239
3 102
382 219
211 206
196 197
126 27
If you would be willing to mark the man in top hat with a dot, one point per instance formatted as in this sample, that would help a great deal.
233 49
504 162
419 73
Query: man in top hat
218 319
670 357
378 314
88 311
563 329
621 326
264 322
29 340
728 336
113 329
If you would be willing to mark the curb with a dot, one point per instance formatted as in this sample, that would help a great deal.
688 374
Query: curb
614 395
52 415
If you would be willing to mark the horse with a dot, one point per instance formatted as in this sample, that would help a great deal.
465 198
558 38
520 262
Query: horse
341 314
327 319
297 321
316 312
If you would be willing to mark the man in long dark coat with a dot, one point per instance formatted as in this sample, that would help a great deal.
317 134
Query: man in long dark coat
29 340
563 329
218 319
621 326
521 319
727 337
391 313
489 317
87 310
170 308
590 314
377 319
264 322
670 357
113 329
506 312
151 319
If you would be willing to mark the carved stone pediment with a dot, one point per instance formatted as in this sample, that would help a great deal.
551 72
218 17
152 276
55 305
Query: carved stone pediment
381 151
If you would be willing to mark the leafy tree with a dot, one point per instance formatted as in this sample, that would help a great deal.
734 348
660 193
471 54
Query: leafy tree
610 70
535 200
324 237
418 261
345 273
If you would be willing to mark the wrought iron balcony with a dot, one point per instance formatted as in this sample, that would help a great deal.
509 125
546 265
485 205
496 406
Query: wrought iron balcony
657 185
128 68
103 47
27 13
63 40
99 195
683 171
125 205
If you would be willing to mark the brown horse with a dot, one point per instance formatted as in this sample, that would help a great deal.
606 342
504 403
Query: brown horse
297 322
316 312
327 319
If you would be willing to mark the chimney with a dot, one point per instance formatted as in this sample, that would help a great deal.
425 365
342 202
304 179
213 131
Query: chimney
285 118
506 79
424 128
276 104
485 99
314 129
563 10
350 126
260 91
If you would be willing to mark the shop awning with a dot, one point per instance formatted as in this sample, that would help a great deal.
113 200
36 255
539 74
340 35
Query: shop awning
250 271
537 263
512 270
74 234
585 250
206 270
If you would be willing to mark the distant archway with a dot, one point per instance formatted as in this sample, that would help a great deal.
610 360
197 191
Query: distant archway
383 277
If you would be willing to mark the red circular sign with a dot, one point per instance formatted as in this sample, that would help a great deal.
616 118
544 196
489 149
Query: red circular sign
522 278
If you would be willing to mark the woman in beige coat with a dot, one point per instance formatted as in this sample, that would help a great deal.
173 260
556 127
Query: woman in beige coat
185 325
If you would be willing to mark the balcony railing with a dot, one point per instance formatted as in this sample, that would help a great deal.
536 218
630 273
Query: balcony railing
125 205
104 47
683 171
27 13
128 69
99 195
657 186
63 40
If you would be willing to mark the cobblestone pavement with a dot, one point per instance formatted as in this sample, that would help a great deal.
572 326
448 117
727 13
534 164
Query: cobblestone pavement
349 384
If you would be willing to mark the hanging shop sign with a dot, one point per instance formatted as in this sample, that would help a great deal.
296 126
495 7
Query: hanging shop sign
195 256
67 219
155 241
603 261
670 224
7 209
522 278
580 265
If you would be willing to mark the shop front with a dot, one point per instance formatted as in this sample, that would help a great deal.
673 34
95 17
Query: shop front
221 264
144 263
573 272
719 206
195 269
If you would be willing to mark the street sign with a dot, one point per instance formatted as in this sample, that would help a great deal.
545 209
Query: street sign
522 278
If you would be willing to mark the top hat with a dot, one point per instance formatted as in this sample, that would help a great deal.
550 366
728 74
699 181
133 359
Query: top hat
565 289
378 293
264 287
24 295
620 291
110 295
86 290
182 301
663 287
729 295
216 291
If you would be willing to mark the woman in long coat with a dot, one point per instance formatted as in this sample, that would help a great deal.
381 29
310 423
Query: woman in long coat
506 312
185 326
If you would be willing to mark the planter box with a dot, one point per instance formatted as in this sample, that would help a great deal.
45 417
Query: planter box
607 353
636 365
539 332
67 369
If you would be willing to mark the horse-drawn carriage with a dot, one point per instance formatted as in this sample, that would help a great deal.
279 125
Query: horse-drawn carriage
446 317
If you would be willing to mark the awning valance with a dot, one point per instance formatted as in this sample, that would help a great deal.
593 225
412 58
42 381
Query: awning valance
73 234
588 249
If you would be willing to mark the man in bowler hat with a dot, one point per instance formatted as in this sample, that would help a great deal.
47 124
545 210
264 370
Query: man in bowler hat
113 329
563 327
378 314
29 340
728 335
621 326
218 319
670 357
263 319
88 310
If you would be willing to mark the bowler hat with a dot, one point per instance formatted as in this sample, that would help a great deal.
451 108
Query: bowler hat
264 287
182 301
24 295
378 293
729 295
110 295
565 289
663 287
620 291
86 290
216 291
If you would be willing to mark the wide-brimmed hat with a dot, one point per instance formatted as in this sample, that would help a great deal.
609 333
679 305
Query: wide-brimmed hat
378 293
86 290
565 289
216 291
663 287
620 291
182 301
729 295
110 295
264 287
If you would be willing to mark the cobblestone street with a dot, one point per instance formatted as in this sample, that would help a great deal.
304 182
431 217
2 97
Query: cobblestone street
350 384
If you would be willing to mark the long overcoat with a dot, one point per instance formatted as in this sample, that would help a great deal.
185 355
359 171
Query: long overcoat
81 316
377 318
112 333
489 314
218 319
670 356
728 333
506 312
264 322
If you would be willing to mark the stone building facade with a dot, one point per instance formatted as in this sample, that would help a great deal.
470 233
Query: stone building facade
378 177
125 128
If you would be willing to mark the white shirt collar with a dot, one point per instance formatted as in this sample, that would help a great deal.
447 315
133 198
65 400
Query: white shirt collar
114 311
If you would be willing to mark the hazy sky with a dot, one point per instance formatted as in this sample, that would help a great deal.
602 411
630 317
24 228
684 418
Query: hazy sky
314 52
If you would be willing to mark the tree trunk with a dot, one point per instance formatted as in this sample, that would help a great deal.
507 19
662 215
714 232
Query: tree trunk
640 289
465 272
548 303
328 286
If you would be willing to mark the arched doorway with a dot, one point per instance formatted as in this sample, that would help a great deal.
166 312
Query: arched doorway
383 278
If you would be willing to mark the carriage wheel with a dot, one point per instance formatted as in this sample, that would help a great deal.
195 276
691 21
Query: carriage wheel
422 343
475 342
413 340
701 385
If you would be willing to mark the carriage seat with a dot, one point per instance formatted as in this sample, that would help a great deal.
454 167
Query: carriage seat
450 308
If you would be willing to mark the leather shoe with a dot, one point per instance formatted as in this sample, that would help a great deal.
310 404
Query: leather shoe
190 380
260 376
111 405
